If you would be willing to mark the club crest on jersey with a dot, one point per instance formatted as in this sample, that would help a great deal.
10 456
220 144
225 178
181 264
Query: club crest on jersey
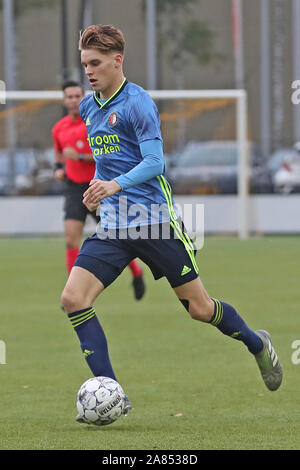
113 119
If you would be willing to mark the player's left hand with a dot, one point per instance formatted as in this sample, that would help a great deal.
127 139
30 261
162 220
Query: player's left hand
70 153
99 190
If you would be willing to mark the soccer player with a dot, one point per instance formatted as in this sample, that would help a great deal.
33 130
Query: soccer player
74 164
123 128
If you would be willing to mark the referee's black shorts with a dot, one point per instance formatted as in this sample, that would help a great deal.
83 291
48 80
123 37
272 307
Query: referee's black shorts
73 207
170 256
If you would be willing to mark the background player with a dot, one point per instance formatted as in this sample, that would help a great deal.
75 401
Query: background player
74 164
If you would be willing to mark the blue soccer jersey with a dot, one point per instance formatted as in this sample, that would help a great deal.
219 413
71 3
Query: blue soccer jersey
117 130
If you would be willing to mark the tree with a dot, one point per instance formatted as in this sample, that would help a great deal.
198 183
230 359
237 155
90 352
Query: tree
21 5
182 37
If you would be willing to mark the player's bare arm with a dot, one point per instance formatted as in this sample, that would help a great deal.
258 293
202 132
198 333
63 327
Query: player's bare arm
72 154
59 172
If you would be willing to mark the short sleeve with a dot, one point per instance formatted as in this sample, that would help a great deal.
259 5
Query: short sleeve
81 109
55 138
144 117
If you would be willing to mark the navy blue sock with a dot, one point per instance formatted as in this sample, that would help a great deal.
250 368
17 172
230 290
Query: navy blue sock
229 322
92 341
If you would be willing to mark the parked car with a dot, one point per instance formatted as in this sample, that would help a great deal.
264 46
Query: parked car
285 167
276 159
212 168
33 173
170 160
23 163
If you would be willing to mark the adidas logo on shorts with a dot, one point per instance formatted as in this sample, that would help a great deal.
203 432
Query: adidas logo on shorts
185 270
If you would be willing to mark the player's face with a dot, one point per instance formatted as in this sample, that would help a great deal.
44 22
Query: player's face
72 97
104 71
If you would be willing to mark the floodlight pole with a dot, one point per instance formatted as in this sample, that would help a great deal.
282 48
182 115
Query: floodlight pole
85 20
64 40
296 64
265 78
10 81
151 44
237 36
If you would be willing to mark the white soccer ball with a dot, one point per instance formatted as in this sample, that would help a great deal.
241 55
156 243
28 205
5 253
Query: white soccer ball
100 401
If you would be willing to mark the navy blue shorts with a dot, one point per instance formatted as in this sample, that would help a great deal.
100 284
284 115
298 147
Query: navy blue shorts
172 257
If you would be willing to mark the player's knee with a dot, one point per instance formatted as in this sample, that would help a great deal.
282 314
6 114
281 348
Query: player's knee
201 312
72 300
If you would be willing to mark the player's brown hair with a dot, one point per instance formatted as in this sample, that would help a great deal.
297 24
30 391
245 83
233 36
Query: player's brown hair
106 38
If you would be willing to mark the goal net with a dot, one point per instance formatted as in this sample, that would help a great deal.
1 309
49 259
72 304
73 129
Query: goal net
205 144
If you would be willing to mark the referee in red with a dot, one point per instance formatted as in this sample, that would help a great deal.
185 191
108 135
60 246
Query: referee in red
75 165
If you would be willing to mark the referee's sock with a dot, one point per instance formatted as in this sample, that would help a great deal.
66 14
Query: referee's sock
229 322
92 341
135 268
71 255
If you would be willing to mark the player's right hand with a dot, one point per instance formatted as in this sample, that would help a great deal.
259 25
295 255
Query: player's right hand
59 174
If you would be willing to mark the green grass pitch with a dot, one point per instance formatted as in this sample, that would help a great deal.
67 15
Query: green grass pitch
191 387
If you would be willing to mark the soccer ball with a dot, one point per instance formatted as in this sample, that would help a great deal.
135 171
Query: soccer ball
100 401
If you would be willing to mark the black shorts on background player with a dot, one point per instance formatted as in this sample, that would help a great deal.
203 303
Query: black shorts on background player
73 207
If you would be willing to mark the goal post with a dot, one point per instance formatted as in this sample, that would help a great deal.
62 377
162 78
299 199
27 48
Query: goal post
241 136
241 129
